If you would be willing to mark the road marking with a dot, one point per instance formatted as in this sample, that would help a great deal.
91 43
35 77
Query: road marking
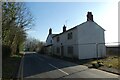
59 69
20 71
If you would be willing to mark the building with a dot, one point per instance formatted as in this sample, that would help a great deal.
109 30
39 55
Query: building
49 42
83 41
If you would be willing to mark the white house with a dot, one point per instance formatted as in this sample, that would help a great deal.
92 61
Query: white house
83 41
49 42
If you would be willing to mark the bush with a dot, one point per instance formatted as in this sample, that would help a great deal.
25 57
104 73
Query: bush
6 51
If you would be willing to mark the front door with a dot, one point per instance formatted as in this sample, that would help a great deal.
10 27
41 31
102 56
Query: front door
62 51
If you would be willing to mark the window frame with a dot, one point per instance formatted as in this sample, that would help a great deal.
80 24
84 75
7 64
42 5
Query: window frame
57 39
69 36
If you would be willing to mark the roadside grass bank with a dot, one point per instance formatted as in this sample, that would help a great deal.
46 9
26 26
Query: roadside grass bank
10 67
109 64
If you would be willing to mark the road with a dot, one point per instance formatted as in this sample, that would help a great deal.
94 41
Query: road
39 66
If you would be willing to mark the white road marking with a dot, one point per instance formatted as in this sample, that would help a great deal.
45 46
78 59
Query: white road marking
59 69
20 71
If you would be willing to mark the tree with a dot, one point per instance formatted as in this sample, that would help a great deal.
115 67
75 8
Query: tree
34 45
16 19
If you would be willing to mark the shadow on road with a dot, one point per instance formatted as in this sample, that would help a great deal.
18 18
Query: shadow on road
35 64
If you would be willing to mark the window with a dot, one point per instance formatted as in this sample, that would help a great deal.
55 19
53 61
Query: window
70 49
57 50
70 35
58 39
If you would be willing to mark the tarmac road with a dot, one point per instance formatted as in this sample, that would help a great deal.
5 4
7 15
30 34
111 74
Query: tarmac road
40 66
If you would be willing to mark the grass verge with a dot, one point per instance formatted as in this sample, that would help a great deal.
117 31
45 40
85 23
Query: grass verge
10 66
110 62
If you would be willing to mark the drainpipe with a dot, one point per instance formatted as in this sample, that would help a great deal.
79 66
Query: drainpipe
97 51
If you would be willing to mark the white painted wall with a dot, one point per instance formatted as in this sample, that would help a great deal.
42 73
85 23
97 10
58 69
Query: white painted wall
49 39
85 37
65 42
90 32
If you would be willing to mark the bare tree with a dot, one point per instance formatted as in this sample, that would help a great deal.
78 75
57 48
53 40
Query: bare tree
16 19
34 44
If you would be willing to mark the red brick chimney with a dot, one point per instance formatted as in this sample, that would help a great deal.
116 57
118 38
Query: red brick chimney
89 16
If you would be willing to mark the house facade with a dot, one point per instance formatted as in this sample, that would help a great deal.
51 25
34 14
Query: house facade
83 41
49 42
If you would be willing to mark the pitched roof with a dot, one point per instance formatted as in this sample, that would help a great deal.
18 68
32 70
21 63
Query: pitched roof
76 27
69 29
51 35
99 26
64 32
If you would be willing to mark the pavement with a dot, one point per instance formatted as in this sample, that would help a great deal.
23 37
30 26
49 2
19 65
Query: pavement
34 65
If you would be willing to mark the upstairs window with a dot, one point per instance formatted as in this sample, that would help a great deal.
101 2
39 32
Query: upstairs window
70 35
58 39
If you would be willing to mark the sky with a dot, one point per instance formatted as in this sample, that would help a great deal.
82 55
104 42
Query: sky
55 14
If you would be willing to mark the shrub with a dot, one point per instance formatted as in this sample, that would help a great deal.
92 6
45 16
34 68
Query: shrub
6 51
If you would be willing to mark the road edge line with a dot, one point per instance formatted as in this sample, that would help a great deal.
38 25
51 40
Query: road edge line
20 72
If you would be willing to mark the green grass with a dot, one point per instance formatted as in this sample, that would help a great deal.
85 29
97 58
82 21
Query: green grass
10 67
110 62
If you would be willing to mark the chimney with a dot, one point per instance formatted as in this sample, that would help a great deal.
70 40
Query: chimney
50 31
89 16
64 28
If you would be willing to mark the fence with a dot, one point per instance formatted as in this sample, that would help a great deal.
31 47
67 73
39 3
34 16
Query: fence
113 49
